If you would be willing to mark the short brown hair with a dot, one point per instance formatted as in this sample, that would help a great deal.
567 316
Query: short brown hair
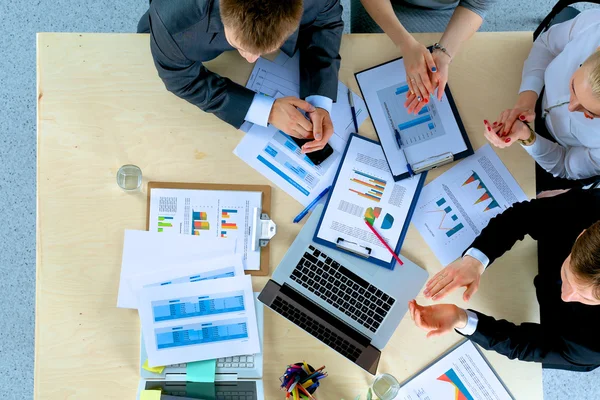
261 25
585 257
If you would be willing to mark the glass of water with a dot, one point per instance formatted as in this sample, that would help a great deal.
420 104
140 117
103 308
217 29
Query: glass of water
129 177
385 387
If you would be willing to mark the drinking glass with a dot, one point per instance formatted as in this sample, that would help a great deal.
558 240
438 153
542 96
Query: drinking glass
129 177
385 387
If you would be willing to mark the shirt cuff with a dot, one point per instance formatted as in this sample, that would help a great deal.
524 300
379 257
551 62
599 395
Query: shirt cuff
260 109
532 82
478 255
320 102
471 327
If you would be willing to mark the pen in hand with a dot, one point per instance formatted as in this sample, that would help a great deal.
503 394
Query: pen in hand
352 109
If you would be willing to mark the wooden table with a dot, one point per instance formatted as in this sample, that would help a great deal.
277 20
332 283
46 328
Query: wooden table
102 105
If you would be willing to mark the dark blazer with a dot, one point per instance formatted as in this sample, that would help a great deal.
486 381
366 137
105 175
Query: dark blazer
186 33
568 335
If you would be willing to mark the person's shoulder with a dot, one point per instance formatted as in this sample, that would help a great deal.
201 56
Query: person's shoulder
180 15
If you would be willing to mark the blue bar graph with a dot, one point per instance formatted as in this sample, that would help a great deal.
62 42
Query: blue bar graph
424 110
414 122
440 202
454 218
447 210
190 307
189 335
229 211
283 175
402 89
454 230
431 125
227 272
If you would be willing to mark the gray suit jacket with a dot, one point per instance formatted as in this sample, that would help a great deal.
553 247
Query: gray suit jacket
186 33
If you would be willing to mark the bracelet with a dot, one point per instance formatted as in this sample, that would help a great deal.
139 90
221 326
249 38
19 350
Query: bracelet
529 141
437 46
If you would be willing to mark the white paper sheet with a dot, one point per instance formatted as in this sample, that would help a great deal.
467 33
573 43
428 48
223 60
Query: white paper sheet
455 207
365 189
461 374
214 268
277 157
431 133
199 321
226 215
145 252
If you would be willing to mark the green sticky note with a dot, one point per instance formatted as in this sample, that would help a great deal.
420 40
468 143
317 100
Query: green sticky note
150 395
201 371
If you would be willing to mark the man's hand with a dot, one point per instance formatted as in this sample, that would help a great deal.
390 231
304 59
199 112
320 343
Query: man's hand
286 117
322 130
437 319
465 272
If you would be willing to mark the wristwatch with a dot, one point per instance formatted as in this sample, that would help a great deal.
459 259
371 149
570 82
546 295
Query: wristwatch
529 141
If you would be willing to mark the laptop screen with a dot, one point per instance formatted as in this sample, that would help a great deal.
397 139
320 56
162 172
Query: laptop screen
222 390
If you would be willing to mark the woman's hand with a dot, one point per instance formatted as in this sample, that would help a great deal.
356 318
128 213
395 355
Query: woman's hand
464 272
413 106
524 110
494 133
419 63
437 319
440 77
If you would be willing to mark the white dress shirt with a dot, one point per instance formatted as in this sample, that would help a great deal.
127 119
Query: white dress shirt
555 56
261 106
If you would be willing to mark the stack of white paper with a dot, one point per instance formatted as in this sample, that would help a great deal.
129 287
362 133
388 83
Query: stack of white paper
194 301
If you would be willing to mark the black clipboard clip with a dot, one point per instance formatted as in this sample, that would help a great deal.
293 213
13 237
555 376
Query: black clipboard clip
353 247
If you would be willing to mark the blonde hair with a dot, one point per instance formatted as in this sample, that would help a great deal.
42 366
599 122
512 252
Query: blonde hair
594 78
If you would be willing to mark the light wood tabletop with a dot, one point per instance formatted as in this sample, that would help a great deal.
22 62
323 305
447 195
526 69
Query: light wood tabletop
101 104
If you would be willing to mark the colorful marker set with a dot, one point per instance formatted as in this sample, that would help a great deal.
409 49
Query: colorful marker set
300 381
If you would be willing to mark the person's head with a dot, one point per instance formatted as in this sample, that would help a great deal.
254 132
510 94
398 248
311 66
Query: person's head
580 272
257 27
585 87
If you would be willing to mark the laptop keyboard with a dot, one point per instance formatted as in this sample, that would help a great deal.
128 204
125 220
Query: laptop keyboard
228 362
342 288
316 329
228 395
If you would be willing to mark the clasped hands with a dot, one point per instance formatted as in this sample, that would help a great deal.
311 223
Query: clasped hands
439 319
425 72
286 116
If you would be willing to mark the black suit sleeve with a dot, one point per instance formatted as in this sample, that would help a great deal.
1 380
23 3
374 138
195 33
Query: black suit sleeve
319 48
536 218
191 81
526 342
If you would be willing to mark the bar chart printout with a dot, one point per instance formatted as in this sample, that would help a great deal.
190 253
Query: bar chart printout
367 186
414 129
197 306
199 222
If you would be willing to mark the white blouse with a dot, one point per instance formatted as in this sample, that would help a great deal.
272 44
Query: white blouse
555 56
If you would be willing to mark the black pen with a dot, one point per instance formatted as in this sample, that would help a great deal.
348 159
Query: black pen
399 142
351 101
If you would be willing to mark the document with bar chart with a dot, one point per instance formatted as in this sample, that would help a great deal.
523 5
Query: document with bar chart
432 133
199 321
364 190
461 374
455 207
227 215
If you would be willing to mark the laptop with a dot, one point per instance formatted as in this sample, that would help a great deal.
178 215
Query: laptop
349 304
237 378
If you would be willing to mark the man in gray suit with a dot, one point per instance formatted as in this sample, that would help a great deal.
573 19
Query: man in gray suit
186 33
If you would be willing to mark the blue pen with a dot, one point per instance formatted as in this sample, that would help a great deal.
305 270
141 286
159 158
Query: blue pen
311 205
399 141
351 101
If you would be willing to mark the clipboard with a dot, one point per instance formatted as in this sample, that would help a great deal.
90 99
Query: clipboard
448 352
265 252
443 158
346 244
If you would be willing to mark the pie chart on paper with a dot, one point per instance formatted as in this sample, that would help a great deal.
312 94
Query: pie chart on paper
388 221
